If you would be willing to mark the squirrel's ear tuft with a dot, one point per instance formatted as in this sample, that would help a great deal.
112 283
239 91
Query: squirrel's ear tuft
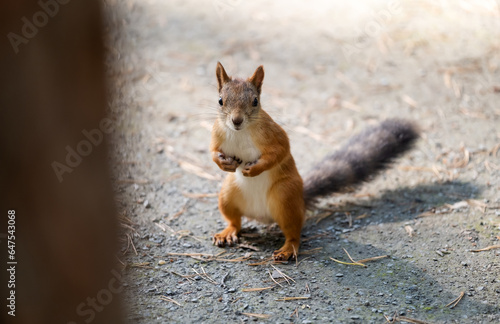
257 78
221 76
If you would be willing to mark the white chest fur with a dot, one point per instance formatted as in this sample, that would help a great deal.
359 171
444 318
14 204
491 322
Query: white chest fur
254 189
240 144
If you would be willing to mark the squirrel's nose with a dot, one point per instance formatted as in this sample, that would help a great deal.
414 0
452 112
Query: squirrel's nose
237 121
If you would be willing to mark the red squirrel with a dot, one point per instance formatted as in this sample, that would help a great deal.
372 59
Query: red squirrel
263 182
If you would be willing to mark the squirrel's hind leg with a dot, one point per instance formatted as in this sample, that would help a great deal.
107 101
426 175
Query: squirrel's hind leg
288 211
231 212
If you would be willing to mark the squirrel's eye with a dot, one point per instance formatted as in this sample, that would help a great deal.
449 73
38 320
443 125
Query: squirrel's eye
220 101
255 102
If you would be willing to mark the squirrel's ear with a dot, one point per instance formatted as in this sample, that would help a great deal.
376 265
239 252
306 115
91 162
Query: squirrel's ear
257 78
221 75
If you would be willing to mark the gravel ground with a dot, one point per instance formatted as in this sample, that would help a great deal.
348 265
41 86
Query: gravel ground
331 69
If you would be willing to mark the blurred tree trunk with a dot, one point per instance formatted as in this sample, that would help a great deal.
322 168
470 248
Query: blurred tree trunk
53 91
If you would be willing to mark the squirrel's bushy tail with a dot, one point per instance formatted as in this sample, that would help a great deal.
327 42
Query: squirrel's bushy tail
362 157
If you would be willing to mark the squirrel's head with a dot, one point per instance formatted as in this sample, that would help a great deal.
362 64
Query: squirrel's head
239 100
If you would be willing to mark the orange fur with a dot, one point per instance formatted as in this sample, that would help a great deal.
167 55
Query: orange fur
263 182
273 169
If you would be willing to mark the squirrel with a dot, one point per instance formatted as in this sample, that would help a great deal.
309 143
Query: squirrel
263 182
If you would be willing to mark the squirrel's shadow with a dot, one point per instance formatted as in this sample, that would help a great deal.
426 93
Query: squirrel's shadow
401 204
410 287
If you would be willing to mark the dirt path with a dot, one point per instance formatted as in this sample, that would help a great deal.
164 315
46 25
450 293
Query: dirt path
331 69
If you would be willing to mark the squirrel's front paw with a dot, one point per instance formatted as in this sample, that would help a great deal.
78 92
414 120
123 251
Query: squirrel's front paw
251 170
228 164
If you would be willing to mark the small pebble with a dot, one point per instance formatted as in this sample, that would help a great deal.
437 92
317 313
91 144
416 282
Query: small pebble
276 275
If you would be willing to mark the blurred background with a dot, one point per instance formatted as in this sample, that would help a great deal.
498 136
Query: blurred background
331 68
147 69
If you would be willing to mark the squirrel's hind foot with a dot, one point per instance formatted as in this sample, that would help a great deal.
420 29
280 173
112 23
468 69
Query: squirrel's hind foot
287 252
228 236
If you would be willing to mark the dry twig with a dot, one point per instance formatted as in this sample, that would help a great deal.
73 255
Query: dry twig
447 208
410 101
311 251
144 265
348 263
206 257
263 316
298 263
491 247
247 246
373 258
261 262
130 242
271 276
456 300
291 298
131 181
359 262
323 216
191 254
200 195
256 289
197 170
494 150
180 212
409 230
205 276
188 277
165 298
405 319
283 275
313 237
348 255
